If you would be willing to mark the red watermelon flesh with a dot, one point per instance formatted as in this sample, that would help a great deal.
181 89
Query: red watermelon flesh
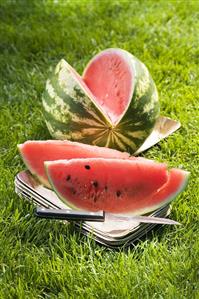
118 186
110 79
34 153
176 183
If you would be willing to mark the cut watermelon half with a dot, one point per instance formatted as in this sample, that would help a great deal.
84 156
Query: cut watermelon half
117 186
34 153
114 104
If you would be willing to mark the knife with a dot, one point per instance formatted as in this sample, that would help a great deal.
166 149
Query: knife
99 216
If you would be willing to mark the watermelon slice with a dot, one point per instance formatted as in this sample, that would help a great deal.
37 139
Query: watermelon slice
117 186
34 153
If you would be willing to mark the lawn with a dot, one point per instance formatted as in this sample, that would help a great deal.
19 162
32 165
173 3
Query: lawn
44 259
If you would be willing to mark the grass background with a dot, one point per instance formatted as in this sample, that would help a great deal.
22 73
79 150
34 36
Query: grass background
44 259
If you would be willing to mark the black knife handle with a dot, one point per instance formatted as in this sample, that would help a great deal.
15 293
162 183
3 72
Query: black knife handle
71 215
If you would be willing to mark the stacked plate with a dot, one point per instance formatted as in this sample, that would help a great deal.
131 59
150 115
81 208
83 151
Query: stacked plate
111 232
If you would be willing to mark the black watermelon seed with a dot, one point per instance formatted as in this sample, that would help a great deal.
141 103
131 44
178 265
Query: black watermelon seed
106 188
95 184
87 166
68 177
73 190
118 193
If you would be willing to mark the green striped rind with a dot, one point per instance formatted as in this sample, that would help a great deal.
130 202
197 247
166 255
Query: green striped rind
68 110
71 112
143 111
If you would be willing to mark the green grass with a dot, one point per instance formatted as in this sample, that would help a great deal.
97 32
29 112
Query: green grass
44 259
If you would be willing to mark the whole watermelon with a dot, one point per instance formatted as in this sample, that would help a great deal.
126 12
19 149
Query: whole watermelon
114 104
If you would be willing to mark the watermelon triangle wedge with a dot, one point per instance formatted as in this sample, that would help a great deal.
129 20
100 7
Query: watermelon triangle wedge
116 182
34 153
117 186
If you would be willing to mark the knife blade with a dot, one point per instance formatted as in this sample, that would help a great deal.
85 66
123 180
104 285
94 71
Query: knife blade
99 216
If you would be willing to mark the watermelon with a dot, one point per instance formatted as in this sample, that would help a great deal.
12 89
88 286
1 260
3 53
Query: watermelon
34 153
115 103
117 186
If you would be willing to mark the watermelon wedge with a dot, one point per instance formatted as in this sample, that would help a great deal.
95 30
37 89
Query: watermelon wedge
34 153
117 186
